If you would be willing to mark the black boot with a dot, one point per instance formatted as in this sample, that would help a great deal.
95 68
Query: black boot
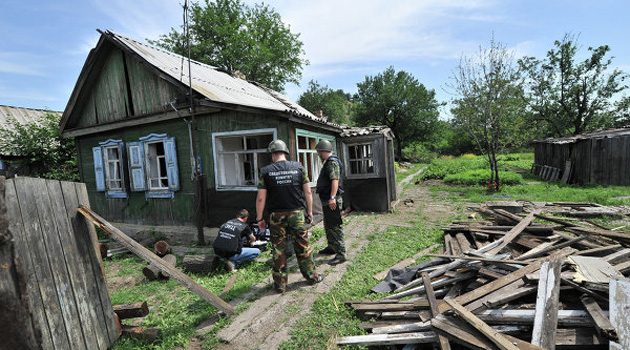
326 251
338 259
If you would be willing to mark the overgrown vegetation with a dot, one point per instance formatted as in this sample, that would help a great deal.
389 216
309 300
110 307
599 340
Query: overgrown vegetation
40 149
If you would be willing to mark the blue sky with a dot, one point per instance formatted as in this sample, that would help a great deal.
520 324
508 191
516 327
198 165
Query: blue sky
44 44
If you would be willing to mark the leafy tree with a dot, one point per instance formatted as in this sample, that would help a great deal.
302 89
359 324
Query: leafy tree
45 153
569 96
236 37
334 103
401 102
489 102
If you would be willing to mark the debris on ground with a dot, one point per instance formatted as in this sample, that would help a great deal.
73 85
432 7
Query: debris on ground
512 281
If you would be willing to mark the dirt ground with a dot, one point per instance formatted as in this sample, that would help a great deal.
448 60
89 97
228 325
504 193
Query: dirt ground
268 321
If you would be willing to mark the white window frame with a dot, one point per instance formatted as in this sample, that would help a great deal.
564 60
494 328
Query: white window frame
219 173
118 176
316 163
157 159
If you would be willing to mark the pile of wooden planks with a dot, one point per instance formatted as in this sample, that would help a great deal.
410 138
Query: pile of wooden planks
529 281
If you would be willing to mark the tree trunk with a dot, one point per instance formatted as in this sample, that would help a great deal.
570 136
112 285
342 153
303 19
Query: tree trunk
200 263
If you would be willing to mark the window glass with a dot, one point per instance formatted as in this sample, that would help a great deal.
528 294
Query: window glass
307 155
113 168
156 164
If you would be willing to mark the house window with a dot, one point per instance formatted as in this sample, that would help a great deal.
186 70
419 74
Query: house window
239 156
307 155
108 161
153 166
361 159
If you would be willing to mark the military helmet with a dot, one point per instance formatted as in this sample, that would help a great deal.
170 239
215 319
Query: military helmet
324 145
278 146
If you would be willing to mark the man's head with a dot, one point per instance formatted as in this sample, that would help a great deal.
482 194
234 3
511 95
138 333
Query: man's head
278 149
242 215
324 149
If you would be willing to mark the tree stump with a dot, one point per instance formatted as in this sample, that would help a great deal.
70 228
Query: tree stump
201 263
152 272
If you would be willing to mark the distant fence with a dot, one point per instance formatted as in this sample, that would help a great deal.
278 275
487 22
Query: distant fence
56 271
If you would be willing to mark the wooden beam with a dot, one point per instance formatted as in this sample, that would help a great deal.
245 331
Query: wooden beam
433 307
546 320
474 321
147 255
514 232
602 323
131 310
436 284
389 339
619 301
401 265
551 248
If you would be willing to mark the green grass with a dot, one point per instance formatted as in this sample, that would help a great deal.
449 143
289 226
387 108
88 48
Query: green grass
329 317
176 310
480 177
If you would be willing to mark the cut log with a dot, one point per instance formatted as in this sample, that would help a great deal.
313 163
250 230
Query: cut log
142 333
131 310
200 263
161 248
152 272
154 259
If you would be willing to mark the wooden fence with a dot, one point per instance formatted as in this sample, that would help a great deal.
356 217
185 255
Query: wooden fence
57 271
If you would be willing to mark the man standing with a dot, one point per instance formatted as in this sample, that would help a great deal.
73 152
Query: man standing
329 189
284 189
229 242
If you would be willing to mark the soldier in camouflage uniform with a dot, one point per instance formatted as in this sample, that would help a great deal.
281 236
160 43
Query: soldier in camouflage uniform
330 189
284 189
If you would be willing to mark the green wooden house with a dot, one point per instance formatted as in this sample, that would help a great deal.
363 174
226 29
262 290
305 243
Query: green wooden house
148 158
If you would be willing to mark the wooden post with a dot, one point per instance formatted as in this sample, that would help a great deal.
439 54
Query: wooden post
546 320
155 260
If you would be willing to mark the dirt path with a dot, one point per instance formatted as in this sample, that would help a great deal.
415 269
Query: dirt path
267 323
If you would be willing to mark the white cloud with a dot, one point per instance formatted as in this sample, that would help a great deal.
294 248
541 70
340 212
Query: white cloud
353 31
141 19
19 63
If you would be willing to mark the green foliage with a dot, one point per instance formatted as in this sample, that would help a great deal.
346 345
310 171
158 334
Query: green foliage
401 102
568 96
335 104
480 177
443 166
233 36
46 154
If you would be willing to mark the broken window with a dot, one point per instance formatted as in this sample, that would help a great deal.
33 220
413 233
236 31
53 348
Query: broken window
153 166
361 159
239 156
307 155
108 168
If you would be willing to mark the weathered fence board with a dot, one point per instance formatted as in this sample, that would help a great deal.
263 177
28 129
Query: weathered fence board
65 289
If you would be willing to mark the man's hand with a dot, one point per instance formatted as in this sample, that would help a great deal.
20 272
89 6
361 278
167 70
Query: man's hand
252 238
332 204
262 225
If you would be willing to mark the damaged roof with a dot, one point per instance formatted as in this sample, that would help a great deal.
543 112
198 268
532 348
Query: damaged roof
350 131
598 134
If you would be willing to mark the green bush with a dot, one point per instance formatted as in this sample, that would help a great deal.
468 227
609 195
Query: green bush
482 177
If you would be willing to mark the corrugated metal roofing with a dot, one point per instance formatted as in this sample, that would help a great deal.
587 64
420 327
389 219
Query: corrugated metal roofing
598 134
366 130
214 84
22 116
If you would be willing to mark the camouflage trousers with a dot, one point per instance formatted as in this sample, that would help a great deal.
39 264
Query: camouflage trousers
333 226
290 224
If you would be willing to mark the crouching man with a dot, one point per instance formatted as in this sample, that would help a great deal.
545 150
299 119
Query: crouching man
229 242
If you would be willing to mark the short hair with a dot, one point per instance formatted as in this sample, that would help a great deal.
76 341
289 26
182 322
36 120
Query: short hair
243 213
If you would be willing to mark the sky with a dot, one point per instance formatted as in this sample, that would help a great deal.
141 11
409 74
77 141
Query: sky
44 43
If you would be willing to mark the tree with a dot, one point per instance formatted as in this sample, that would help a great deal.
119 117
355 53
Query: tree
571 97
335 104
401 102
44 153
490 98
236 37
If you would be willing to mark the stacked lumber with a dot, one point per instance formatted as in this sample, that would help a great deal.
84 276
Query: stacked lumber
529 281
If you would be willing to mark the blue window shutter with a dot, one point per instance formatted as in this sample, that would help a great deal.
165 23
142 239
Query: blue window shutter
99 172
171 164
137 178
